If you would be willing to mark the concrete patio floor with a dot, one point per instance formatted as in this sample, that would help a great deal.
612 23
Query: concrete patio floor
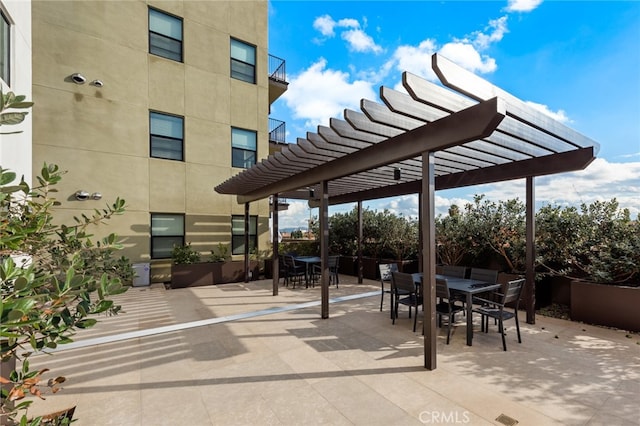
292 368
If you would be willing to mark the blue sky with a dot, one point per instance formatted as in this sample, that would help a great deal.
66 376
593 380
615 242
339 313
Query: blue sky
577 60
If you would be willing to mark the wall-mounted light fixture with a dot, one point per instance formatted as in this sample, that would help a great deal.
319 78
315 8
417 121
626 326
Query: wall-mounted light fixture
82 195
78 78
397 173
311 193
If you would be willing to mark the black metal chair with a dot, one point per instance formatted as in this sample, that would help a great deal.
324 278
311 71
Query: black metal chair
385 277
454 271
405 292
446 305
486 275
333 263
494 307
295 271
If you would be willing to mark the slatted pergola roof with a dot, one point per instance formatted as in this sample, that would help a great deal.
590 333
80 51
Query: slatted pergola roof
478 132
463 132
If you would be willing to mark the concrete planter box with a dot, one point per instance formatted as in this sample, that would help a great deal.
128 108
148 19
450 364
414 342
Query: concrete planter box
608 305
209 273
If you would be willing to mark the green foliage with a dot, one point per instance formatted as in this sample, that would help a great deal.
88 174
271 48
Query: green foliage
52 277
300 248
222 253
384 234
296 233
598 242
11 101
184 254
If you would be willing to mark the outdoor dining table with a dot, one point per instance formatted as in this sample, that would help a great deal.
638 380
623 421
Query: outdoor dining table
469 288
309 261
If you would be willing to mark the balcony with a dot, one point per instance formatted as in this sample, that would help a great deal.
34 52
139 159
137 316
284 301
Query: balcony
277 78
277 131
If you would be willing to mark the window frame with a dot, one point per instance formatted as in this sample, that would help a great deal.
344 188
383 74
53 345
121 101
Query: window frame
5 58
179 238
165 137
235 149
238 75
253 237
164 36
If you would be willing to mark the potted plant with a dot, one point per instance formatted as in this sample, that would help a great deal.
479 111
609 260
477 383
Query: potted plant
188 271
597 247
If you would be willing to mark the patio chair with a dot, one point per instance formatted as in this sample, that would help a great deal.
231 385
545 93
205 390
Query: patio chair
486 275
385 277
295 271
494 307
333 264
405 292
446 305
454 271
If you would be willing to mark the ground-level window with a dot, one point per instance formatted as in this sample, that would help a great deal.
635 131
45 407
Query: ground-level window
243 148
243 61
165 35
167 230
237 233
5 45
166 134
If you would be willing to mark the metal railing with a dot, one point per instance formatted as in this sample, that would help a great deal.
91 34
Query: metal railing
277 70
277 130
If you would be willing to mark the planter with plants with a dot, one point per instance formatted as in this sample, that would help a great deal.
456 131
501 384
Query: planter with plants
187 269
596 247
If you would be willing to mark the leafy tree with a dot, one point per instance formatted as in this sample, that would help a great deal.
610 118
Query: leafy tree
599 242
11 101
499 228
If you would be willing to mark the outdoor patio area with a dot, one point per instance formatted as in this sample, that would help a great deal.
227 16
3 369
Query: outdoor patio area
187 357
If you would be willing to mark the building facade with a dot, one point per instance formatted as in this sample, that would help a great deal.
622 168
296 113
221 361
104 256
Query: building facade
154 102
15 76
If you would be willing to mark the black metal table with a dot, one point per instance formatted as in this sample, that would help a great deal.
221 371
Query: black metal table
469 288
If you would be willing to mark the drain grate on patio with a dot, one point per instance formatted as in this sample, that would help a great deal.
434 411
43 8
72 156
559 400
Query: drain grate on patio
506 420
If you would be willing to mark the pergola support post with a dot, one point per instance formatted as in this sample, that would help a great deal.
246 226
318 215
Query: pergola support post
429 259
246 242
274 245
360 237
530 256
324 247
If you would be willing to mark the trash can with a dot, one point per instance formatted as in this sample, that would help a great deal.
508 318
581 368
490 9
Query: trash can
141 277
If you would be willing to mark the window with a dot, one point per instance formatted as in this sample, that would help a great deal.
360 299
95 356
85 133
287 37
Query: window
243 61
166 134
165 35
243 148
237 233
5 52
167 230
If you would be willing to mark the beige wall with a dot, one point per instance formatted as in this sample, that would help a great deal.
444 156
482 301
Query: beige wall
101 135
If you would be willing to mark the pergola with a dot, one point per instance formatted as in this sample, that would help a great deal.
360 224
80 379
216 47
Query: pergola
465 132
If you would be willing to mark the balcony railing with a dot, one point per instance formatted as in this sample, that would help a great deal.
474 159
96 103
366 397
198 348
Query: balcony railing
277 70
277 130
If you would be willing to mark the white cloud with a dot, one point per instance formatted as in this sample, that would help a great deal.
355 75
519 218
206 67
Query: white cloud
522 5
465 55
359 41
325 25
296 216
497 29
559 115
318 93
416 59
